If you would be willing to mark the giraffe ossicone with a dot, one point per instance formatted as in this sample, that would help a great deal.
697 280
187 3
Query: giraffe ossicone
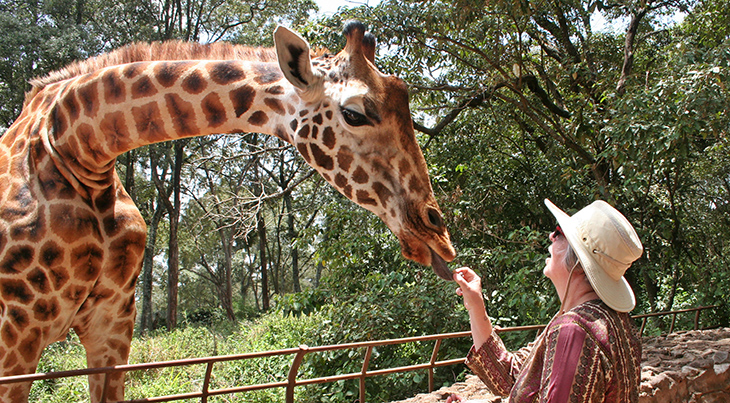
72 240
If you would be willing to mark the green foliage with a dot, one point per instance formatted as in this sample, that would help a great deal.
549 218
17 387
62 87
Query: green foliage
658 149
61 356
272 332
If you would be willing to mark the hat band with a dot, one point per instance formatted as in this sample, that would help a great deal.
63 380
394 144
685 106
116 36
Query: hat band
614 268
611 258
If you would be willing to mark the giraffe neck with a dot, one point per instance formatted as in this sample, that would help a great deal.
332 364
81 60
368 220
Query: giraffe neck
95 118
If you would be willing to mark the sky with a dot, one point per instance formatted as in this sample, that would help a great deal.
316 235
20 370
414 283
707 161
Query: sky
329 7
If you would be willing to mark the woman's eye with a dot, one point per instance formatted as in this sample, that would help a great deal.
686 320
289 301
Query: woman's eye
354 118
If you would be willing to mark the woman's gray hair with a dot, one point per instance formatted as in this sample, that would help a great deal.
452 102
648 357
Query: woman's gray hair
570 258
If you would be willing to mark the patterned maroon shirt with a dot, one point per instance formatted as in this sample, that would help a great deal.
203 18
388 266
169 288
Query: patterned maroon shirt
589 354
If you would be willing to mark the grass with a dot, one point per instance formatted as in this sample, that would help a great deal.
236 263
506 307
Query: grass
272 332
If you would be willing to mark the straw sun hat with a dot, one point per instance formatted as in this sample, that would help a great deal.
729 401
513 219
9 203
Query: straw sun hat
606 245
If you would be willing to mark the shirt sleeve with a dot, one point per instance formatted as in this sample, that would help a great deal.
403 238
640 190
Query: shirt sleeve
495 366
572 370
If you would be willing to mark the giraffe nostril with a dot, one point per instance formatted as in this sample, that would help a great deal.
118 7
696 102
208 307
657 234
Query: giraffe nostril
434 218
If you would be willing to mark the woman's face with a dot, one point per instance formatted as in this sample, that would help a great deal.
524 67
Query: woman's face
555 268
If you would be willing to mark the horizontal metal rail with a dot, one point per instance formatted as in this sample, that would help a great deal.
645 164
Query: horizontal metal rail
292 382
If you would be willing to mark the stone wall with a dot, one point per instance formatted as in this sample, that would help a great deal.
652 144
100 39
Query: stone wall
683 367
687 367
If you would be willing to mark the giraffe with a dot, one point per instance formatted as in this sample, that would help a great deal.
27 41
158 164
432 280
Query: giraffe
71 239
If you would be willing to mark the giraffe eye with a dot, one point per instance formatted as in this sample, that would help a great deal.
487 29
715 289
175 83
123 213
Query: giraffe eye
354 118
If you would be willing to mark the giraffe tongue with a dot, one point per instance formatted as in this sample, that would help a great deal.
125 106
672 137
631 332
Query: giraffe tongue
439 267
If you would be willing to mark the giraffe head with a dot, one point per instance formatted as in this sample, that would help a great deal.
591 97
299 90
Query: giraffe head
358 134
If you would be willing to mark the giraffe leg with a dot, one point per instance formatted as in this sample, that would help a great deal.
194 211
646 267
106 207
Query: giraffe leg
107 339
22 345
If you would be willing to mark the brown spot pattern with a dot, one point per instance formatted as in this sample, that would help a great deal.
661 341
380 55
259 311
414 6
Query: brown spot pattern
71 224
39 281
328 138
46 310
275 90
32 230
404 167
168 73
415 185
19 317
88 138
322 160
114 129
360 176
340 180
275 105
302 148
143 88
258 118
86 260
15 290
347 191
345 158
363 197
304 132
213 109
131 70
148 122
194 83
30 347
9 335
384 194
114 91
17 259
242 99
267 73
226 72
74 293
182 114
88 98
59 124
72 106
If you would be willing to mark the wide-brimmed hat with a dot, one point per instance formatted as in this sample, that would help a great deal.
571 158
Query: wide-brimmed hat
606 245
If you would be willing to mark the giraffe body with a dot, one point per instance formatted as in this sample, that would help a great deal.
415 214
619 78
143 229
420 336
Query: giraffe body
72 240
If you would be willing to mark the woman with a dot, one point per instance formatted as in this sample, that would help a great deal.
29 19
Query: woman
590 351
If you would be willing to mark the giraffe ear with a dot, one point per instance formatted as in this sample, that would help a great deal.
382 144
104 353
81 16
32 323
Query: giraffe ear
293 54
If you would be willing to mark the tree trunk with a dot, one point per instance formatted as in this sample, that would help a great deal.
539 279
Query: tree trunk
173 272
129 175
292 242
227 296
262 251
147 266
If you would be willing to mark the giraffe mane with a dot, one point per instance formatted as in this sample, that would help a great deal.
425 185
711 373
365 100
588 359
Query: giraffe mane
167 50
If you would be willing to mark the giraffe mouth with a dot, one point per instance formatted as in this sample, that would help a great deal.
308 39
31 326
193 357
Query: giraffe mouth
440 267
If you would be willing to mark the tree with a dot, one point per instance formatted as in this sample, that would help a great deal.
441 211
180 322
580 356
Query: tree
520 101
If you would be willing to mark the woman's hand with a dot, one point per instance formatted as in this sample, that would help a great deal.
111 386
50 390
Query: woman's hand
470 287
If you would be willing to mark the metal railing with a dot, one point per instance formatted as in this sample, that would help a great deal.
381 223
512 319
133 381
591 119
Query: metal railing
645 317
299 353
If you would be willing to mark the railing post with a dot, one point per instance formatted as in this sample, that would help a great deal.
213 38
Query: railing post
105 388
292 379
697 319
434 354
363 373
206 382
674 319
